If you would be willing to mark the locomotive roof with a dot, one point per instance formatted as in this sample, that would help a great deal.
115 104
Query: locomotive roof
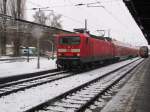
119 43
97 37
87 35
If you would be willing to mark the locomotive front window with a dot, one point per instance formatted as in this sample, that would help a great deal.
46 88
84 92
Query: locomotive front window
70 40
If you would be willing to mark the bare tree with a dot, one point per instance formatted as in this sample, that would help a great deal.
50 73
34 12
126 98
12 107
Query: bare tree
54 20
28 37
40 17
51 19
17 11
3 10
47 40
16 8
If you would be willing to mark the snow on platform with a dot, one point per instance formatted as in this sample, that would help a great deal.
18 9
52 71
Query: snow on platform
11 68
131 97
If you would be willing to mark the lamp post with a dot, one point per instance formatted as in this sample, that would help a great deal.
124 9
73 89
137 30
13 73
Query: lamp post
27 42
28 54
52 45
38 52
37 32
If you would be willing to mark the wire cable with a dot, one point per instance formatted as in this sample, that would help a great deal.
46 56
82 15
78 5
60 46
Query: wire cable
75 20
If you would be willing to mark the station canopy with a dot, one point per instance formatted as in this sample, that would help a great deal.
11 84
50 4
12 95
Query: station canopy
140 10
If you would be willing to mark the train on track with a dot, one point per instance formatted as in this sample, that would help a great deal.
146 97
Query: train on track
81 49
143 52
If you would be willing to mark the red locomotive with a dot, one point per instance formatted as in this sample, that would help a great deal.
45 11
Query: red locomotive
83 49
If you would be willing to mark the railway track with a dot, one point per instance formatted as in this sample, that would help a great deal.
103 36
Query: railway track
12 60
81 97
11 87
15 78
26 81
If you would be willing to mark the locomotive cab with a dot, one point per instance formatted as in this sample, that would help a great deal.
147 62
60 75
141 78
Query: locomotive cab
81 50
68 50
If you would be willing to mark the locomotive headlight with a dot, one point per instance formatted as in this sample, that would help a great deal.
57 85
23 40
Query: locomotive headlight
78 54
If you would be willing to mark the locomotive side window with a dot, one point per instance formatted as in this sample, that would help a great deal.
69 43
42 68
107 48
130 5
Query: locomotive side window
70 40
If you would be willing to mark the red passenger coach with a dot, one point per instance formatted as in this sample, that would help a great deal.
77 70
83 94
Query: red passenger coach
123 50
83 49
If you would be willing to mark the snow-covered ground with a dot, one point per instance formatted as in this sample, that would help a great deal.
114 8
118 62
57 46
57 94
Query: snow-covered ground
23 100
9 68
8 57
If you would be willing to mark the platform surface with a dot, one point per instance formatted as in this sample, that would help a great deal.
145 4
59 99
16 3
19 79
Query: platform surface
135 95
142 99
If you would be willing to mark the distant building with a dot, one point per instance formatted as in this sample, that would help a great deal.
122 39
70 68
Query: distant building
32 51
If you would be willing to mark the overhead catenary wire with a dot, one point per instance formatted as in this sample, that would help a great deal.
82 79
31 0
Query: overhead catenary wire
89 5
94 4
29 22
68 17
53 6
75 20
81 4
109 12
132 31
72 19
34 3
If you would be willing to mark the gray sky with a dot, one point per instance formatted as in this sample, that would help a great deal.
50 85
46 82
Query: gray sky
113 15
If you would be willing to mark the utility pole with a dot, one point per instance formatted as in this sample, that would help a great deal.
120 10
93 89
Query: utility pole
38 45
85 24
38 53
52 50
109 33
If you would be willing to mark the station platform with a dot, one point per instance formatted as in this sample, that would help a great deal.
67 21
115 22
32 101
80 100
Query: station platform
135 95
142 100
